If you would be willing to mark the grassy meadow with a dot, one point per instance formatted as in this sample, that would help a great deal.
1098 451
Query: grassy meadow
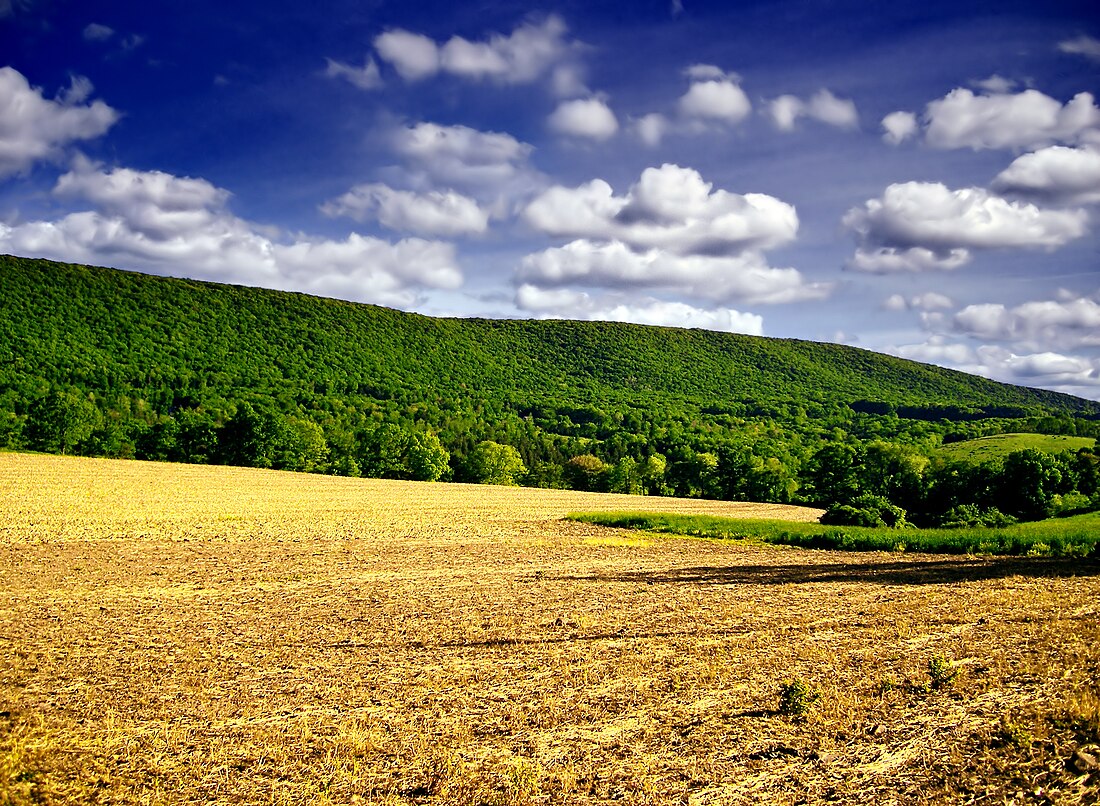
1076 536
185 634
997 446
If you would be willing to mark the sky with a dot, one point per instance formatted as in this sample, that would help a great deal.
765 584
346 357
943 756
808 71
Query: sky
919 179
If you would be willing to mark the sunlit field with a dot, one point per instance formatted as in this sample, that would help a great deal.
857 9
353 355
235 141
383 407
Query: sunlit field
187 634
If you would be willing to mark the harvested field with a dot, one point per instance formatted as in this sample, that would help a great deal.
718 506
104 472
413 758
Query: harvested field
184 634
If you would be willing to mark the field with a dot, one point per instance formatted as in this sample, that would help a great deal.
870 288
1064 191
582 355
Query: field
183 634
998 446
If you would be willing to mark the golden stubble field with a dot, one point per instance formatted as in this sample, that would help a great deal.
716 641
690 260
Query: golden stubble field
183 634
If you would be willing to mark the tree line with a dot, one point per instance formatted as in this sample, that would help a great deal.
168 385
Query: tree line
864 469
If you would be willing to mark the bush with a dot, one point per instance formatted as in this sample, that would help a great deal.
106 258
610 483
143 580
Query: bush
966 516
866 510
1070 504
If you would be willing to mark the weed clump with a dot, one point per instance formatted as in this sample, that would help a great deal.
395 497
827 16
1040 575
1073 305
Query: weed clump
941 672
797 698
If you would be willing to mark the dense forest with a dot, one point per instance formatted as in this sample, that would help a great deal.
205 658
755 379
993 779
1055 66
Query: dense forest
102 362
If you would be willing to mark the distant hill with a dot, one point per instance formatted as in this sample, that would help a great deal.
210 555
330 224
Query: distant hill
182 342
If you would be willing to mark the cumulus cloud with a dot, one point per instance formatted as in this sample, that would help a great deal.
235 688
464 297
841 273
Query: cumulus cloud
746 277
1028 119
1071 374
823 106
891 259
1041 324
33 128
899 126
414 56
459 155
566 304
1057 175
1087 46
589 117
1076 375
532 50
433 213
916 226
367 77
669 208
671 230
713 101
152 221
714 95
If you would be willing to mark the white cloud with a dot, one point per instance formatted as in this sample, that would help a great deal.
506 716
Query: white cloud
899 126
891 260
566 304
784 111
928 301
33 128
459 155
669 208
414 56
937 350
822 106
995 84
709 72
80 90
1087 46
895 302
1027 119
567 81
827 108
532 50
151 221
1077 375
651 128
94 32
745 277
917 226
1042 368
715 99
589 117
433 213
367 77
1056 174
1042 324
931 301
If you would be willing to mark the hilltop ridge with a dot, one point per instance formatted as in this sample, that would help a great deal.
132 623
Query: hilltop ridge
100 328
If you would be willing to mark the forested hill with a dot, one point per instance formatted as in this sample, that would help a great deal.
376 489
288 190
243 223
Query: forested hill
182 343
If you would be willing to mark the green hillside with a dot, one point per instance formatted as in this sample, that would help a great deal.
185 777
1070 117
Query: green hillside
103 329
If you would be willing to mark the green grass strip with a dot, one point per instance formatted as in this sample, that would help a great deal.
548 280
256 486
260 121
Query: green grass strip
1078 536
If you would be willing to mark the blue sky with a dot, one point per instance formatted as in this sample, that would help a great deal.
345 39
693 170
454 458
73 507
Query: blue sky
917 179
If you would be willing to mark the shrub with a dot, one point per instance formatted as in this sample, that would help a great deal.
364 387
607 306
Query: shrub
866 510
1070 504
965 516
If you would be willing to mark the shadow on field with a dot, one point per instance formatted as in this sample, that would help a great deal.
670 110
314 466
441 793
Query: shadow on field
935 572
573 637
